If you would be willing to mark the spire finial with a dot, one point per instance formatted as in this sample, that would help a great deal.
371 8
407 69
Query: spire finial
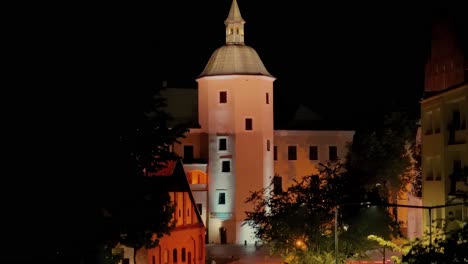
234 26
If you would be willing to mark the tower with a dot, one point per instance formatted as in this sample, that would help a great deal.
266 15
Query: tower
235 105
445 65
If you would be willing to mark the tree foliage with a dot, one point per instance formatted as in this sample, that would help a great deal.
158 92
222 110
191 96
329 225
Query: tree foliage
303 217
138 211
445 248
380 155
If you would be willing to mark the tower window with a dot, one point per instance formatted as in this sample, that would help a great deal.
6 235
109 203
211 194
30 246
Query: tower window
292 153
222 198
268 145
226 166
332 153
223 97
267 98
275 153
237 31
313 153
222 144
248 124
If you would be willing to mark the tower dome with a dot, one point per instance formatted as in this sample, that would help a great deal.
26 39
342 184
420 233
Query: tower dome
235 57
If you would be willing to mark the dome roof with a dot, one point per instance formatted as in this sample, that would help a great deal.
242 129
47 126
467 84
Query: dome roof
235 59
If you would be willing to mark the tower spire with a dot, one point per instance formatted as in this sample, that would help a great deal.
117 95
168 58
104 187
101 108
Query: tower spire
234 26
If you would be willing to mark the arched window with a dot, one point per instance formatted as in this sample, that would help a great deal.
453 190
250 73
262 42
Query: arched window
183 254
174 255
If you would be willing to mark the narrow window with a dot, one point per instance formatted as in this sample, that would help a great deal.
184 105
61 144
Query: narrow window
267 98
313 153
199 207
275 153
183 254
188 153
268 145
222 198
174 255
226 166
223 97
248 124
277 185
332 153
222 144
292 153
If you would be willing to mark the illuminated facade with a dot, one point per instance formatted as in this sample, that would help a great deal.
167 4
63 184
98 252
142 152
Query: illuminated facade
235 149
186 243
444 116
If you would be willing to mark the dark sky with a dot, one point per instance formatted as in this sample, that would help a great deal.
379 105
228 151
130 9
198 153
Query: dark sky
331 57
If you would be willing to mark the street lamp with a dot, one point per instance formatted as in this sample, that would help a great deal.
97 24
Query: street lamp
345 228
336 234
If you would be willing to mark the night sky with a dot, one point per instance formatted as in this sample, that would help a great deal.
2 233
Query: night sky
363 58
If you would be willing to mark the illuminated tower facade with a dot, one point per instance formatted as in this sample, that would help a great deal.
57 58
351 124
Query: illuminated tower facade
235 104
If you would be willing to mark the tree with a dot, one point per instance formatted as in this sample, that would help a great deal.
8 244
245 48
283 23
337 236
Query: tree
441 250
140 211
387 157
301 220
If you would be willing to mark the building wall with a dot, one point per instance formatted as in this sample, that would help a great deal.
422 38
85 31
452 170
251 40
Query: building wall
441 147
303 165
245 164
188 240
